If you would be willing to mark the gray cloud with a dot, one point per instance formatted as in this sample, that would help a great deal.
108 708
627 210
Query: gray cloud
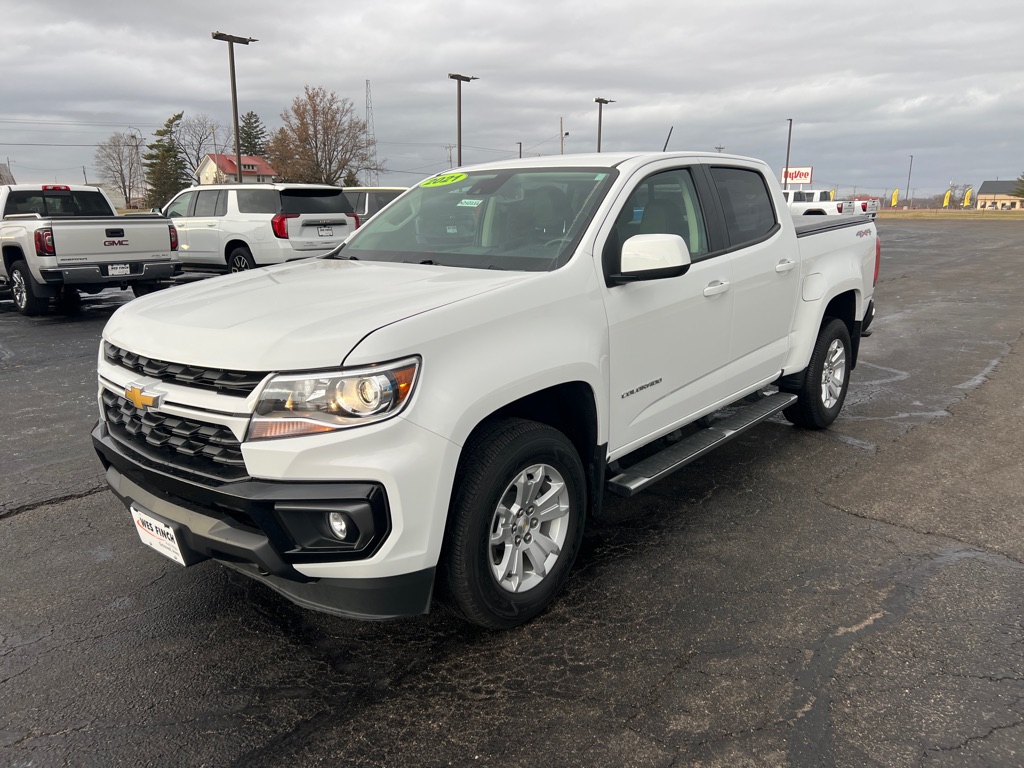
866 85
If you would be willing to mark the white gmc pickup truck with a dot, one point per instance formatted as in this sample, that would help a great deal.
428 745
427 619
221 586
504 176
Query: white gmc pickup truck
59 239
819 202
435 408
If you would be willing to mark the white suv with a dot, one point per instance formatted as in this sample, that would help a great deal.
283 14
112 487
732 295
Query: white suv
240 226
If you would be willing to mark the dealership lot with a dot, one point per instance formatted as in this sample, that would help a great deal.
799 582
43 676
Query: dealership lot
851 597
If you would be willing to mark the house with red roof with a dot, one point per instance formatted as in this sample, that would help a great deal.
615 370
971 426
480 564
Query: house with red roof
221 169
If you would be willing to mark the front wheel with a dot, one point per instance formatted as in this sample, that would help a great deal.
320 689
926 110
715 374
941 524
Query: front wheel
516 523
23 291
821 396
240 259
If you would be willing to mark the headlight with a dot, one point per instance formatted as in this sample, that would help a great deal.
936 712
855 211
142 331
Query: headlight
307 404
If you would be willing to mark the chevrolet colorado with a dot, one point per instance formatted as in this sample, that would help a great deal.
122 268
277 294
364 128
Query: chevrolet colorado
435 408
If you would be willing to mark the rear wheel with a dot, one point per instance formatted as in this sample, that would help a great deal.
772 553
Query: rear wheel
240 259
823 392
516 523
23 291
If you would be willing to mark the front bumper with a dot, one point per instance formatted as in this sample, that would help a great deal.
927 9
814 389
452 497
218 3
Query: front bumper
264 529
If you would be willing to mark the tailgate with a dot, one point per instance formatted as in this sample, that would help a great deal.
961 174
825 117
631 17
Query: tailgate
318 218
110 240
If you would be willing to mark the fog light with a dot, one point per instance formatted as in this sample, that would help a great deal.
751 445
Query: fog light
338 524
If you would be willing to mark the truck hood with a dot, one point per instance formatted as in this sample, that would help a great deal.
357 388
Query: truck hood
299 316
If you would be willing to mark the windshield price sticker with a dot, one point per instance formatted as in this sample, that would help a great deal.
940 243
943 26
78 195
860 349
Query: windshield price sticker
444 180
469 203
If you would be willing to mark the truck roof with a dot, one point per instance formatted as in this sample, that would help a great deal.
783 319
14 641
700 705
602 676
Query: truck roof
602 159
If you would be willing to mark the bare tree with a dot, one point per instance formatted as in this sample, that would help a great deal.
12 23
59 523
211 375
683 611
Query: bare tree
196 137
119 161
321 141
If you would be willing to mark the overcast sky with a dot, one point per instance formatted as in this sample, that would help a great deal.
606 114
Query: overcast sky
866 84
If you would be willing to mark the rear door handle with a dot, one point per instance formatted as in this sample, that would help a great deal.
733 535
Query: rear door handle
785 265
715 287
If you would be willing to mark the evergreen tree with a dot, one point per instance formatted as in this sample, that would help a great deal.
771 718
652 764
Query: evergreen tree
1018 190
166 170
252 135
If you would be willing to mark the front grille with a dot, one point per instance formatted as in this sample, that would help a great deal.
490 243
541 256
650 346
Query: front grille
207 449
226 382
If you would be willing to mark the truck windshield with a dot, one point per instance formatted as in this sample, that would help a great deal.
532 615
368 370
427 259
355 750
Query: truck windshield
523 219
58 202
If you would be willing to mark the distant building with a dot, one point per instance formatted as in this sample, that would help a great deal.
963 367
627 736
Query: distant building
6 177
996 195
220 169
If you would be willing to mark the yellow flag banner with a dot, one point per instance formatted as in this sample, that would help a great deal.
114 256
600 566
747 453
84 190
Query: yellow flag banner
945 200
832 195
895 197
967 198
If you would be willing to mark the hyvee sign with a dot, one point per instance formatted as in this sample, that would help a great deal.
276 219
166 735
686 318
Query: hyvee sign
797 175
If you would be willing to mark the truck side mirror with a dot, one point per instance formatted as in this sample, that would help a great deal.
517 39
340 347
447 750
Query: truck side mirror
652 257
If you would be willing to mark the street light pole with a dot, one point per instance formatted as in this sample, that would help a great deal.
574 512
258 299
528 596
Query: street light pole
231 40
600 106
910 200
789 143
459 80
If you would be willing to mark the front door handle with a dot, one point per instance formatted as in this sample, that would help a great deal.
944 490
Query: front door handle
785 265
715 287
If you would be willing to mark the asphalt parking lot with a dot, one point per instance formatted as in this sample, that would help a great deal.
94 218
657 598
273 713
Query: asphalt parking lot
851 597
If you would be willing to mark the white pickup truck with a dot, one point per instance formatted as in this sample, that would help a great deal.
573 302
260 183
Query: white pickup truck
436 408
59 239
819 202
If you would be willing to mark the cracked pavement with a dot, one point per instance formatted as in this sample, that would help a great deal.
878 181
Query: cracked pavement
852 597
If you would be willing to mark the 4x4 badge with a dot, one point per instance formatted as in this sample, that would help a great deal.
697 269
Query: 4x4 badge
141 399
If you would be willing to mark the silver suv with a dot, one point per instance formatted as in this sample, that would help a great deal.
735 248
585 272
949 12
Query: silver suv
240 226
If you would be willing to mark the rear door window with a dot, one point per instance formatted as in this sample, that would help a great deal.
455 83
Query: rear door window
209 203
315 201
258 200
746 204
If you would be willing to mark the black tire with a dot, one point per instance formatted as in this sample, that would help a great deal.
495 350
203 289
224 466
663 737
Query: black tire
69 301
144 289
826 380
240 259
490 531
24 291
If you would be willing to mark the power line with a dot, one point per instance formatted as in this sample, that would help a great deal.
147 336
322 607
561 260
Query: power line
68 122
16 144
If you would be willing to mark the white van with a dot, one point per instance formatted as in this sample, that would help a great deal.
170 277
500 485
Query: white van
366 201
234 227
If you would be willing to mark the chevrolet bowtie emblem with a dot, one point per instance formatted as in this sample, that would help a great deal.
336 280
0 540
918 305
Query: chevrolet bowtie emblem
141 399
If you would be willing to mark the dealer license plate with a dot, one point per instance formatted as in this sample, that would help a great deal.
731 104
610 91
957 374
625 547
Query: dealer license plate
117 270
325 231
156 534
